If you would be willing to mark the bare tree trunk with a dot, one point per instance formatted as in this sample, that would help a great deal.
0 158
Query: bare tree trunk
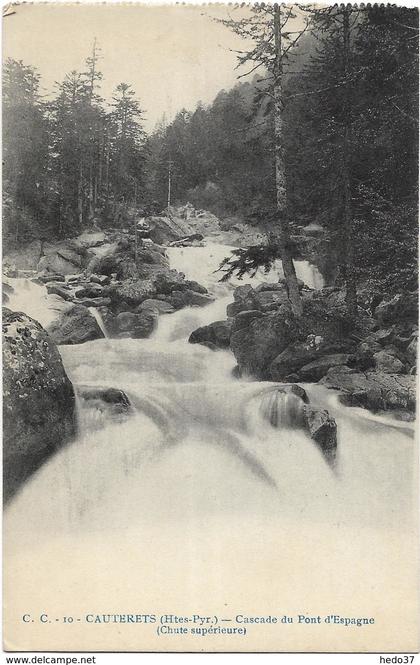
350 278
107 165
91 202
284 233
80 196
101 156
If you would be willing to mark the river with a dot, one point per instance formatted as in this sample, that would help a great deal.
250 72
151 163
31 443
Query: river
195 501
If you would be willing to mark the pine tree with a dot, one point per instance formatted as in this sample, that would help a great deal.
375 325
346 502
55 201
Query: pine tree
267 27
25 152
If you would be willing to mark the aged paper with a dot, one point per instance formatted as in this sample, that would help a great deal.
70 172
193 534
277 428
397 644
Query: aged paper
210 328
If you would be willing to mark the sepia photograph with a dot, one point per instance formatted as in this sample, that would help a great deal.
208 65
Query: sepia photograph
210 328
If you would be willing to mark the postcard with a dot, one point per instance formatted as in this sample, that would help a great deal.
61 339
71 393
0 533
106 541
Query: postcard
210 328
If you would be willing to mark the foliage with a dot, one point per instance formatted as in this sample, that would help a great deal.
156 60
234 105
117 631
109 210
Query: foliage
73 161
247 261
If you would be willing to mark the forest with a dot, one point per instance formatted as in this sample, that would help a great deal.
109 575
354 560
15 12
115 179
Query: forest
73 160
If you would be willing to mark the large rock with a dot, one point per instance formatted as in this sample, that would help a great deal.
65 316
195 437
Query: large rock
122 258
288 407
270 300
315 370
194 299
90 291
322 429
75 326
38 399
245 299
376 391
137 325
182 222
291 360
387 362
243 319
256 345
215 336
162 306
59 290
94 302
131 291
66 257
169 281
47 277
112 402
103 280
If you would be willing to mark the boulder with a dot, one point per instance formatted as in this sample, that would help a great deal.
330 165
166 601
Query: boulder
291 360
75 326
387 362
376 391
194 286
172 281
315 370
49 277
110 400
243 319
288 406
131 291
122 259
194 299
270 300
102 280
138 326
59 290
383 336
126 321
216 335
256 345
162 306
94 302
322 429
145 324
187 298
66 257
245 299
38 399
90 291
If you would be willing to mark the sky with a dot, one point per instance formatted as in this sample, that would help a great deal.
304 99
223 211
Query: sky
173 56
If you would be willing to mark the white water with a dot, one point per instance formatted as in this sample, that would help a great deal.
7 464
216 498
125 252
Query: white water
195 495
99 320
33 300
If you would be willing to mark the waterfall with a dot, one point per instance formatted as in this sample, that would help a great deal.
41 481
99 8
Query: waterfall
99 320
211 479
282 409
32 299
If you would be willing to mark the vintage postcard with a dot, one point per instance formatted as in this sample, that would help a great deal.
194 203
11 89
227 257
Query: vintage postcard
210 325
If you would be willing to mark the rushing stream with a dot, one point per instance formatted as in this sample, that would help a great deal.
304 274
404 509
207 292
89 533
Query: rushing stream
194 492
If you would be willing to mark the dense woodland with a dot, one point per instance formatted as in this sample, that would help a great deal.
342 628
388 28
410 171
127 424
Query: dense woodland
73 160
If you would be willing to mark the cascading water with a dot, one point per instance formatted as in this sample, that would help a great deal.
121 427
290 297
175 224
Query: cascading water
208 483
99 320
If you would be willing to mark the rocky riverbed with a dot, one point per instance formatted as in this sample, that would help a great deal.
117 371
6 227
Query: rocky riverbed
370 360
101 285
